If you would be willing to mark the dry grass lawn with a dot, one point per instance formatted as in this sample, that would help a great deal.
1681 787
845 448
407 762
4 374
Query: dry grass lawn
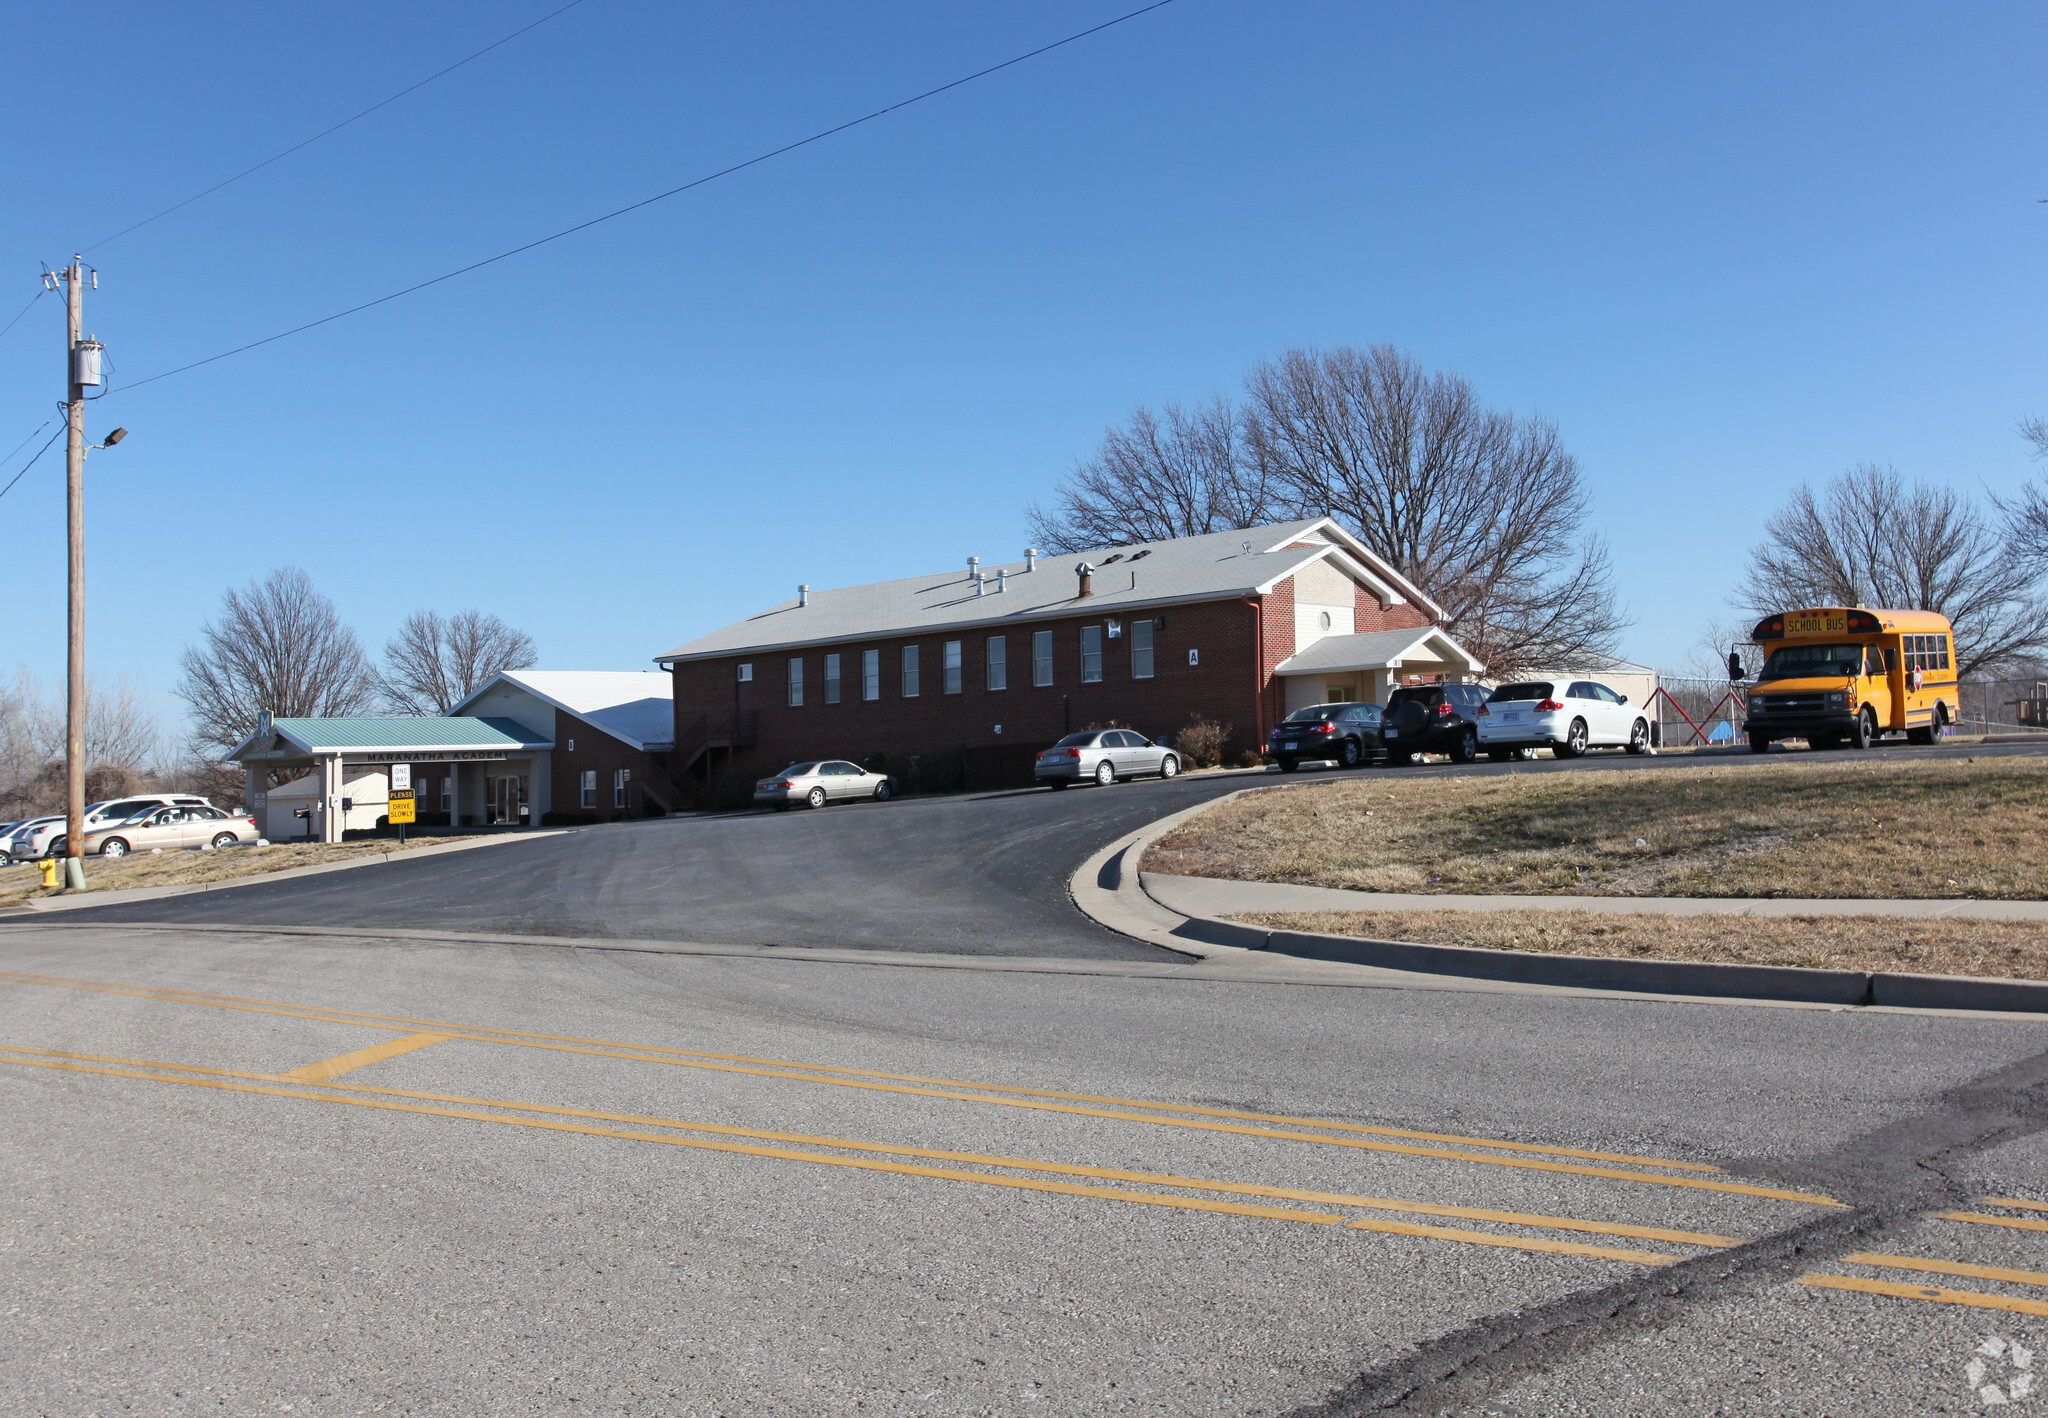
181 868
1835 826
2007 949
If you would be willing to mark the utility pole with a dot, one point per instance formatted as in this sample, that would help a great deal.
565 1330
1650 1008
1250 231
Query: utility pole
76 375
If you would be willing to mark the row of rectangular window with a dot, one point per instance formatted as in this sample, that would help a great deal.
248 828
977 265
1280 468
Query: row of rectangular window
951 665
620 777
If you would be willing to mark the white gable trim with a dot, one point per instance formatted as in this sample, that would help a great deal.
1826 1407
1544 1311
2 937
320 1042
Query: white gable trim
1362 563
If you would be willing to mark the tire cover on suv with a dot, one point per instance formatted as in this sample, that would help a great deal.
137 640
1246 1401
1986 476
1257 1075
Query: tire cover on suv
1411 718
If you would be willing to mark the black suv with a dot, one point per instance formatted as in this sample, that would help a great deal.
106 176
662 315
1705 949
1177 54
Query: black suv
1433 718
1346 734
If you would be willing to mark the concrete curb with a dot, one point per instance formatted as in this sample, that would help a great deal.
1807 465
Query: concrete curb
1108 888
87 900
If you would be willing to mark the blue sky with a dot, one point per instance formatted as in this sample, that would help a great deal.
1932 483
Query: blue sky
1725 249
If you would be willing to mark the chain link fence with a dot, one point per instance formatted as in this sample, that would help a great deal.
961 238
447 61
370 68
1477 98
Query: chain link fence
2003 706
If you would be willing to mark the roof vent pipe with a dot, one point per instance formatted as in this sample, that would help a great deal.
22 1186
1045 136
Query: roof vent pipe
974 567
1031 558
1087 575
1002 578
803 595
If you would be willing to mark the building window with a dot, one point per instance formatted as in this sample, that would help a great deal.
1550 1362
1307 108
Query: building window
447 793
746 673
910 672
590 787
998 668
1141 649
1091 654
1041 657
796 682
949 666
871 674
831 679
620 777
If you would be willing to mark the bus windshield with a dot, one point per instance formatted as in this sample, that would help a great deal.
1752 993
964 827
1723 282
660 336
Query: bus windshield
1813 661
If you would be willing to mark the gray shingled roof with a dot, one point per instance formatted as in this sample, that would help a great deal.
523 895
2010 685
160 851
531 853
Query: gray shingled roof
1127 579
1374 650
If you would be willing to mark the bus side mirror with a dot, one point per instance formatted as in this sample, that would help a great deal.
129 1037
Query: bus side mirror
1734 667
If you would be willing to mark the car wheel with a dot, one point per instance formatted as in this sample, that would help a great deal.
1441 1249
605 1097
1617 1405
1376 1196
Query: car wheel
1347 754
224 839
1574 745
1057 784
782 807
1865 731
1400 758
1288 765
113 847
1639 737
1759 743
883 792
1465 747
1169 766
1105 774
1500 755
1527 753
815 797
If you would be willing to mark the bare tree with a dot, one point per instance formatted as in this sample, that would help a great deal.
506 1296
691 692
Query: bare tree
1480 508
278 645
1867 539
1179 473
433 664
120 740
2026 515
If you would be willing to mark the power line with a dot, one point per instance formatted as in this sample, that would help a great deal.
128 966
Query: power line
33 461
17 318
24 442
659 196
337 127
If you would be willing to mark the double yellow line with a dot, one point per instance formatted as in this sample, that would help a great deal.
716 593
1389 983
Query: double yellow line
1942 1295
1337 1134
458 1106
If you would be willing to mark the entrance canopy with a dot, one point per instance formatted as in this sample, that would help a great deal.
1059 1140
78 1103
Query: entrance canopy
1364 666
335 746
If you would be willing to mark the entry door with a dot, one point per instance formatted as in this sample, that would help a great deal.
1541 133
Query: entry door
508 798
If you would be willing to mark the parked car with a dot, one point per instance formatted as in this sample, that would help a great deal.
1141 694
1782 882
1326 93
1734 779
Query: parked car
1346 734
167 827
1104 755
113 810
1534 714
1433 718
33 837
816 784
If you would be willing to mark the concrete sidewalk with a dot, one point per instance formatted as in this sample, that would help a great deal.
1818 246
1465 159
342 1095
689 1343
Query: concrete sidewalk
1213 897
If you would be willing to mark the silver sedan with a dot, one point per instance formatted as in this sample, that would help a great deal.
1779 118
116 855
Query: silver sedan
816 784
1103 755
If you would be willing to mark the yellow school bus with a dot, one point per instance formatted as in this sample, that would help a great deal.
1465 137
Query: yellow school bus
1836 676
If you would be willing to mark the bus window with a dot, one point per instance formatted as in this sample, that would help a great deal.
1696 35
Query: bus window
1873 662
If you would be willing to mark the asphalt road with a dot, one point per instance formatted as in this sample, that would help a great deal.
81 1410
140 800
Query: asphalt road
262 1172
975 874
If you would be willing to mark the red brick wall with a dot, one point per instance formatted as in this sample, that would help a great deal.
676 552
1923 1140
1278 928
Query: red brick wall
1225 687
1276 620
1369 614
595 749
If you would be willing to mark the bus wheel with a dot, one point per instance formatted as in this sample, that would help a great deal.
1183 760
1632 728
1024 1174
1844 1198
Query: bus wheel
1864 732
1759 744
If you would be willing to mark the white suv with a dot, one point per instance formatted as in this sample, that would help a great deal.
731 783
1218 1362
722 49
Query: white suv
33 837
1565 717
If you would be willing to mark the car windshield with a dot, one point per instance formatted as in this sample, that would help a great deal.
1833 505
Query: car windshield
1075 741
1316 713
1813 661
1515 693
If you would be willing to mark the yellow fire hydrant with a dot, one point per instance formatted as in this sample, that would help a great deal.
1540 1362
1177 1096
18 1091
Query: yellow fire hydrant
49 866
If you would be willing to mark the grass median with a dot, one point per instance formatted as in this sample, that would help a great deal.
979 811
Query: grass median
1836 827
187 868
2003 949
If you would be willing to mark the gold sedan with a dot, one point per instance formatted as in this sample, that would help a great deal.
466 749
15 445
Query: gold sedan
169 827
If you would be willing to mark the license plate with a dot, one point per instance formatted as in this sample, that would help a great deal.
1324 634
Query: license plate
1393 733
1291 743
1512 718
